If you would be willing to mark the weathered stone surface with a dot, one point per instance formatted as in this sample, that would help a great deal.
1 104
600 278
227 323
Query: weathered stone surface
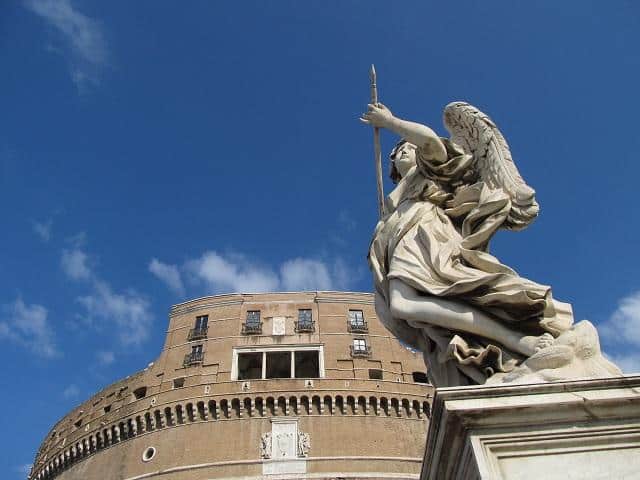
564 430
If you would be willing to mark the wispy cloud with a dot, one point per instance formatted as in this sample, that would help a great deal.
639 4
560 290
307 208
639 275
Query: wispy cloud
221 273
85 44
75 264
305 274
129 312
624 324
233 273
105 357
346 222
621 333
169 274
72 391
28 325
343 233
628 362
43 229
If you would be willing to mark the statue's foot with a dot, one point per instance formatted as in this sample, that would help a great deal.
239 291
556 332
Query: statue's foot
530 344
574 354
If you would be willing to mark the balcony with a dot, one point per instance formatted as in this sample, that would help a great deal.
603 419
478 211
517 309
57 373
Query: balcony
357 327
198 333
252 328
360 351
306 326
193 358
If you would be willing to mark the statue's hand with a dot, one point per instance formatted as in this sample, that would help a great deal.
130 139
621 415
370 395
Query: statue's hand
377 116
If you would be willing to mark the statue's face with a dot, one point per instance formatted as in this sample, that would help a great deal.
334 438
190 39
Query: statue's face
404 158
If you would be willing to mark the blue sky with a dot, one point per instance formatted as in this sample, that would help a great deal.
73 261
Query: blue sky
152 152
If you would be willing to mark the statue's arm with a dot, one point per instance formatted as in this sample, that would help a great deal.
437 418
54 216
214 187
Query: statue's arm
419 135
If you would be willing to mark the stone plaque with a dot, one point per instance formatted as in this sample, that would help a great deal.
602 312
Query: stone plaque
284 440
286 447
279 325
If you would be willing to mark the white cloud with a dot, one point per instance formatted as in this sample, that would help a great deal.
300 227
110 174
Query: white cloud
83 36
129 312
628 363
43 229
72 391
237 273
74 264
169 274
305 274
624 324
126 313
28 325
232 274
105 357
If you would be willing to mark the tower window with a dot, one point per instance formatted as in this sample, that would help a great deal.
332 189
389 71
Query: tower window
420 377
196 356
307 364
252 324
278 364
139 393
249 366
359 348
178 382
359 344
356 322
202 321
305 321
200 329
253 317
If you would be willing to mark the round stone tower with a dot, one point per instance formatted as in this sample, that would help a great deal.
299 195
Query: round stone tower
274 385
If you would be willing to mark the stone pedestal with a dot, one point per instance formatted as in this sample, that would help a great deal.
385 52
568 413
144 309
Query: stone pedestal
583 429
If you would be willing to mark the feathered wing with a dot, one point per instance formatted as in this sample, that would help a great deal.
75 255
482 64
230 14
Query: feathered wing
476 133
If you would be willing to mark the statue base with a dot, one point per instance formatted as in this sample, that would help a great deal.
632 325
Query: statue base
562 430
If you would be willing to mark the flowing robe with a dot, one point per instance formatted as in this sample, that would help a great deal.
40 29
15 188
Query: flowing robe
434 238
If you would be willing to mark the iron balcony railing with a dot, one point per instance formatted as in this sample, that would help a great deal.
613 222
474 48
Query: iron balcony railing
252 328
360 351
305 326
193 358
357 327
198 333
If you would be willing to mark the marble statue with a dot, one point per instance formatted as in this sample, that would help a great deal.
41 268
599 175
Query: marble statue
304 444
437 286
265 445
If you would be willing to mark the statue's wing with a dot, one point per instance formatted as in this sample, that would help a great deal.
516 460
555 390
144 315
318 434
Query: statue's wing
476 133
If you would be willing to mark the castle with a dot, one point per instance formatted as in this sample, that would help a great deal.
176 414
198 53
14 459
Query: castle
273 385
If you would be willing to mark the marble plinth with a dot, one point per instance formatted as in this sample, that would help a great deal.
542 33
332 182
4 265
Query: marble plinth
563 430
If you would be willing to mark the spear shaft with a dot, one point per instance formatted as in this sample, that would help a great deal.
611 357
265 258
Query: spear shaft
376 145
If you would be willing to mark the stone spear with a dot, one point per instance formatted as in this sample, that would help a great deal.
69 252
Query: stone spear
376 144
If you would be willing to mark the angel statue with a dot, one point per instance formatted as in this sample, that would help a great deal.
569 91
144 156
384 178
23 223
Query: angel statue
439 289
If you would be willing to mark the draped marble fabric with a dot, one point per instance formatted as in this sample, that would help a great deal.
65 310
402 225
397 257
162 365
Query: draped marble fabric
435 238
